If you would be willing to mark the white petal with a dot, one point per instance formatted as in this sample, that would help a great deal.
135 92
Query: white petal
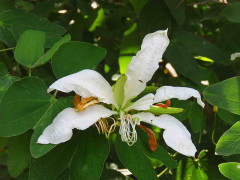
234 56
181 93
175 134
145 63
143 103
61 128
86 83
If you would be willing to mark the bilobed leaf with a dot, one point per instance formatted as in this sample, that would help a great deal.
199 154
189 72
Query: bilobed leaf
30 108
84 154
177 9
231 12
135 160
30 47
229 143
230 170
13 22
48 55
24 103
19 156
225 95
75 56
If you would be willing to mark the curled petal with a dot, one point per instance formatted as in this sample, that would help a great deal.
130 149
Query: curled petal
145 63
86 83
181 93
61 128
143 103
175 134
235 56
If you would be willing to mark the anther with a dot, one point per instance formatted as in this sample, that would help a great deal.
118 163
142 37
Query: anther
168 103
151 138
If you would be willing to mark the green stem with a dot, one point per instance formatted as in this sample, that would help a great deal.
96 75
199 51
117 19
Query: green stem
8 49
214 128
161 173
55 93
29 72
5 58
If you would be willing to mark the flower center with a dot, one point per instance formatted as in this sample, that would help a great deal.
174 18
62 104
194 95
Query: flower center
128 129
81 103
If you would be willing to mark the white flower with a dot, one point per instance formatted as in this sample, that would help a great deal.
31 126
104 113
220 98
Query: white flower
89 84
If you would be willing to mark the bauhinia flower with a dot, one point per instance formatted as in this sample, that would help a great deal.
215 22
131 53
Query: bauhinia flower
97 102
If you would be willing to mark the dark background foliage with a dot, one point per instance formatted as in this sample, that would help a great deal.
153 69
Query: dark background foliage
203 35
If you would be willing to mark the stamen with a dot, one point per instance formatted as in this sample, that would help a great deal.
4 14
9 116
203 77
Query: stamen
82 103
128 129
151 138
168 102
103 126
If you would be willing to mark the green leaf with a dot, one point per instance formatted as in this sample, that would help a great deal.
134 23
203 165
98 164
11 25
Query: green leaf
38 150
30 47
75 56
160 153
138 5
196 117
19 156
135 160
84 154
230 170
5 79
178 55
194 172
231 12
48 55
30 108
228 117
13 22
118 89
184 47
177 9
129 47
229 143
23 104
154 11
225 95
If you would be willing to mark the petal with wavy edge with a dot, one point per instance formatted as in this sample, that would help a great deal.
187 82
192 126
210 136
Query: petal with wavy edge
143 103
175 134
86 83
61 128
145 63
181 93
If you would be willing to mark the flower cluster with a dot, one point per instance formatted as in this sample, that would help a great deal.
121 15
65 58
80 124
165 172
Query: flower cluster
99 101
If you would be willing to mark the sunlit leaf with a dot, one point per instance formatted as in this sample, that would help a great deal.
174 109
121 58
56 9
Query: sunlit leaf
230 170
229 143
225 95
